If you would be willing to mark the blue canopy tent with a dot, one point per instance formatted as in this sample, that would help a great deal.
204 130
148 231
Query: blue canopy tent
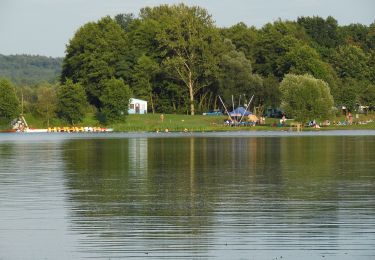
239 111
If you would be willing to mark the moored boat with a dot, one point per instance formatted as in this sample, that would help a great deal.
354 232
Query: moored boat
8 131
33 130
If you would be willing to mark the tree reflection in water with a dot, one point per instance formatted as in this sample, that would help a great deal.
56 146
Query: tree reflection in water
190 196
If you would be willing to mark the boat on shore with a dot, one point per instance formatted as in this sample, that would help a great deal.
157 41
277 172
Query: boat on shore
8 131
33 130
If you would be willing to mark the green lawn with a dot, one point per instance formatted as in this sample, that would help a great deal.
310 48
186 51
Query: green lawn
197 123
172 122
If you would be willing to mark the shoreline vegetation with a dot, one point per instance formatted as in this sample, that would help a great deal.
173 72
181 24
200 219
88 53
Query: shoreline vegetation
199 123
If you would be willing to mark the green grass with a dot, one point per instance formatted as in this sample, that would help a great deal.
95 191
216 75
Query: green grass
178 123
200 123
172 122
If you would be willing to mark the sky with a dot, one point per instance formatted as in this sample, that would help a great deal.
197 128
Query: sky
44 27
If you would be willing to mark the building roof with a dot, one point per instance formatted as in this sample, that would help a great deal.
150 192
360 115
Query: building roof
137 100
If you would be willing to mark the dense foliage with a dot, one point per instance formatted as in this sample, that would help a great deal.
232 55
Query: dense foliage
9 104
115 100
179 61
71 102
95 54
30 70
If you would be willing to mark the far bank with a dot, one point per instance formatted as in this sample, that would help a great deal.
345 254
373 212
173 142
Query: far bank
197 123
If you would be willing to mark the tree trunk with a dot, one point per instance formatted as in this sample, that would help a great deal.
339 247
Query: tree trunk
47 116
191 94
152 103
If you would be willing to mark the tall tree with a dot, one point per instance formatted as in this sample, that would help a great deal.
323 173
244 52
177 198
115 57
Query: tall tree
9 104
305 98
94 54
71 102
187 40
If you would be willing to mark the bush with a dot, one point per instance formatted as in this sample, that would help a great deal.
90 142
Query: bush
115 100
305 98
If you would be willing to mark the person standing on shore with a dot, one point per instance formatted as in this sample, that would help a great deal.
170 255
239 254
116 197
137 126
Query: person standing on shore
350 116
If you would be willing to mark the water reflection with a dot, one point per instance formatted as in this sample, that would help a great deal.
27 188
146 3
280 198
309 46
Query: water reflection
275 193
32 207
138 155
197 197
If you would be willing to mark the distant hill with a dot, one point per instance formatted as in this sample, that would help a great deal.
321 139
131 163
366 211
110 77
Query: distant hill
30 69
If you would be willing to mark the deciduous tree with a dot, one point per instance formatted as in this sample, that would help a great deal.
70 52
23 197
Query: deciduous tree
115 99
9 103
71 102
305 98
187 41
94 54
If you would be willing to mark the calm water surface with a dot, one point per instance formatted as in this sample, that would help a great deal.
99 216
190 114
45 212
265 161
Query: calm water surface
221 196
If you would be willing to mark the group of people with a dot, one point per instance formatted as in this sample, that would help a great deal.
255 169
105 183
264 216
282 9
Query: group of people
348 121
19 124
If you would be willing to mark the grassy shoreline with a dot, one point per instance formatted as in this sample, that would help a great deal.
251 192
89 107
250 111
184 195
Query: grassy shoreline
197 123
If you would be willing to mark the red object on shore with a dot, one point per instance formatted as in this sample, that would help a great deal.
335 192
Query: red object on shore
8 131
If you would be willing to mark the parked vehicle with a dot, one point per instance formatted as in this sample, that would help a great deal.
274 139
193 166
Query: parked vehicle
213 113
273 112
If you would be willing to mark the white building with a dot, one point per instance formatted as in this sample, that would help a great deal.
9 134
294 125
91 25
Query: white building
137 106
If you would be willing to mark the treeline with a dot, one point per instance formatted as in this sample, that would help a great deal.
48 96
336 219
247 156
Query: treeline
177 59
30 69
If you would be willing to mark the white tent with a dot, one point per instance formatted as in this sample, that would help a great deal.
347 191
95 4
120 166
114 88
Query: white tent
137 106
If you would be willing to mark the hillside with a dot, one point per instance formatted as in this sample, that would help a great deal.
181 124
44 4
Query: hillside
30 69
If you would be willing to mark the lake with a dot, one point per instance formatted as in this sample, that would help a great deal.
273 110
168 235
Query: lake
246 195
